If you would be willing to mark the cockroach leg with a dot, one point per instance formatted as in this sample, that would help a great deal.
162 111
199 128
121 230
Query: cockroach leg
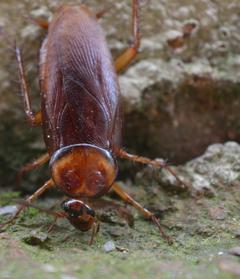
38 21
155 221
146 213
101 13
155 163
30 166
95 230
129 54
125 214
41 23
47 185
56 216
50 229
33 119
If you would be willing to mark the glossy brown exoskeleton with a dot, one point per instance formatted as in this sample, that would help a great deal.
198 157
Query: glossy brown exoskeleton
80 111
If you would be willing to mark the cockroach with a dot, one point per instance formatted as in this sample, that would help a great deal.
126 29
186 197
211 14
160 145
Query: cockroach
81 112
81 215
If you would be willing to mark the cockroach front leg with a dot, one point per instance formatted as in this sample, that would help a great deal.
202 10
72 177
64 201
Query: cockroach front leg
56 216
47 185
30 166
95 230
146 213
155 163
129 54
33 119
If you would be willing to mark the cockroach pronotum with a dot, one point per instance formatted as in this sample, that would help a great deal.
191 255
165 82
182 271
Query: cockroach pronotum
81 113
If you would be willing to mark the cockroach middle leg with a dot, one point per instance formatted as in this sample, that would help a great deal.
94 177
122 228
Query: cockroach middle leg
33 119
146 213
47 185
30 166
129 54
39 21
155 163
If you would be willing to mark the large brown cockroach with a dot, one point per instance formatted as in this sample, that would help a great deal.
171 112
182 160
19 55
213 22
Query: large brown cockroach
81 113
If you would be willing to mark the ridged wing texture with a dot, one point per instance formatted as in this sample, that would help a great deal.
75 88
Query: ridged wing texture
80 92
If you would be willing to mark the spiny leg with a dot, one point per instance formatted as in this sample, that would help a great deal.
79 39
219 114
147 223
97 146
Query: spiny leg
130 53
47 185
147 214
155 163
33 119
30 166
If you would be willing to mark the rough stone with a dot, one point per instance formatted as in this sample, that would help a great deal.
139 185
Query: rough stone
217 168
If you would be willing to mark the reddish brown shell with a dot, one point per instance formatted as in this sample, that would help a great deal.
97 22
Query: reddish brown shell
79 87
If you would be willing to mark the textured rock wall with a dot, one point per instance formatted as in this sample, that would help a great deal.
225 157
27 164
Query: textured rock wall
180 95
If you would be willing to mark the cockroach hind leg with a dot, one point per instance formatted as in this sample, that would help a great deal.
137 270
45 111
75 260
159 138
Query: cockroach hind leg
122 62
34 119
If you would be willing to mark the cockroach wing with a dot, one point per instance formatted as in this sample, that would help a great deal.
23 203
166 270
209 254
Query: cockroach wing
80 92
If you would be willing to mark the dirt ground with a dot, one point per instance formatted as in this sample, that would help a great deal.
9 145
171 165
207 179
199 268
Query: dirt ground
205 231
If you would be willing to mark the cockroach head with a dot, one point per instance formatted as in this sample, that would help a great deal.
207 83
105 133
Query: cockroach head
76 208
83 170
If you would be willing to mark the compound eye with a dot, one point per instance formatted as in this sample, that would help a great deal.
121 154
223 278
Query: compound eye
64 205
90 211
73 208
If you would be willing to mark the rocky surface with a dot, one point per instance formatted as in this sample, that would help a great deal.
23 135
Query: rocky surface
216 169
183 86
